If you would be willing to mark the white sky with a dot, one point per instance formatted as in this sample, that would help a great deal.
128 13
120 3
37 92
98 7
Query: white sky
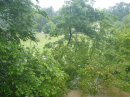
98 4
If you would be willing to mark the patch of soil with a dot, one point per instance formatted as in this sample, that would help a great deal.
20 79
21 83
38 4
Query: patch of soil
77 93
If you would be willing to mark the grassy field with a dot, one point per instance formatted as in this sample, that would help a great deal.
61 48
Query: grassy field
44 38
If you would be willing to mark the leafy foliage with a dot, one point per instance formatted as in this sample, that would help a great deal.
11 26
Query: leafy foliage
122 43
92 62
41 20
124 23
24 72
96 60
48 27
120 9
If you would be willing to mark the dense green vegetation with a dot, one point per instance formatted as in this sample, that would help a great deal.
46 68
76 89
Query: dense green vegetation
88 51
120 9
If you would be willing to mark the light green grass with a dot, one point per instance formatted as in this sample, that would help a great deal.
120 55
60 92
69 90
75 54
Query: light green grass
44 38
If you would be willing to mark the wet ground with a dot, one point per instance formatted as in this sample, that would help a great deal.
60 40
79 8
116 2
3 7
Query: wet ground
77 93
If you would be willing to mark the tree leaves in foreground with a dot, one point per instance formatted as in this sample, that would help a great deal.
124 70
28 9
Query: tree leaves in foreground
23 72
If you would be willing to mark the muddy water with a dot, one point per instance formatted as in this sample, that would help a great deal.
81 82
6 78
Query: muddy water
77 93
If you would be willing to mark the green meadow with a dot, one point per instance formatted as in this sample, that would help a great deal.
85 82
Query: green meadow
44 38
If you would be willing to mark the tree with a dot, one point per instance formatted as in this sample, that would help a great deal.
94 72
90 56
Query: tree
118 24
41 22
11 15
55 17
76 52
120 9
126 20
48 27
121 47
93 60
124 23
80 16
25 71
50 11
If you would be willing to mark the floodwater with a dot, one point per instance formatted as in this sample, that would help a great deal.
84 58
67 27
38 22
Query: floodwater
77 93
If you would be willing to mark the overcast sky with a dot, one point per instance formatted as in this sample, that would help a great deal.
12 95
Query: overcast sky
98 4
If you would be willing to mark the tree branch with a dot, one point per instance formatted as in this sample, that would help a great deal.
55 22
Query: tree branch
70 36
68 41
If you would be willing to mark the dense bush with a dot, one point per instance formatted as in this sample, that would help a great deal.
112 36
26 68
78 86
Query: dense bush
23 73
93 65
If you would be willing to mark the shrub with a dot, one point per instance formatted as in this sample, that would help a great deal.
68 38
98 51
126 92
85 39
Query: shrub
25 74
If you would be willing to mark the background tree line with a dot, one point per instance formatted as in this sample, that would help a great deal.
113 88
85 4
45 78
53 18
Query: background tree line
44 24
120 10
